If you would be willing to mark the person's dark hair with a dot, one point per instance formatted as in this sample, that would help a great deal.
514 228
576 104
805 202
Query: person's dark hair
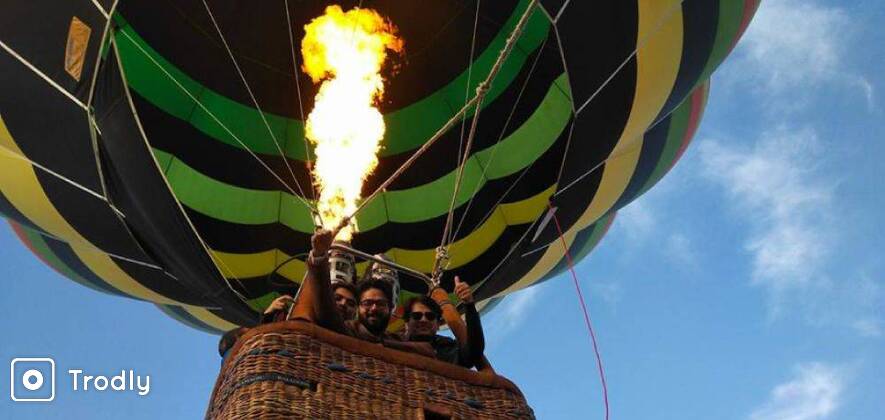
347 286
427 301
381 285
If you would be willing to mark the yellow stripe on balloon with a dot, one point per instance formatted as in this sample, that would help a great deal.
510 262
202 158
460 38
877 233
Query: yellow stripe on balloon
208 318
658 58
20 185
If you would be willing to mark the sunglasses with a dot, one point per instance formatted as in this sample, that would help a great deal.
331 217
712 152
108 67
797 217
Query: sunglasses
430 316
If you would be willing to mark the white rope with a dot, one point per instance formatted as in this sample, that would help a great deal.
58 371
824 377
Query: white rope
561 10
81 187
215 118
184 215
498 142
92 247
254 100
42 75
296 74
628 146
639 46
101 9
104 34
469 78
481 92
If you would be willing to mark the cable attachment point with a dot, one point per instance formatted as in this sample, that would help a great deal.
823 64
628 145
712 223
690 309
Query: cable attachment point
483 88
440 263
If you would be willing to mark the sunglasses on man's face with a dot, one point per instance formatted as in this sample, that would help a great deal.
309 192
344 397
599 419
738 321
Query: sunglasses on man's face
430 316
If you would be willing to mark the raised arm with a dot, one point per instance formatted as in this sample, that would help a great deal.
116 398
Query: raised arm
315 302
470 350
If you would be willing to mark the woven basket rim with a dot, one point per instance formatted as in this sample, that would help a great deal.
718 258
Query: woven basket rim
367 349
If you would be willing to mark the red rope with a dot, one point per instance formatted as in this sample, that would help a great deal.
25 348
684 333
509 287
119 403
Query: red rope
571 267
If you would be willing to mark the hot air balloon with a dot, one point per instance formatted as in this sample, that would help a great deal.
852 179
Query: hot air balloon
157 150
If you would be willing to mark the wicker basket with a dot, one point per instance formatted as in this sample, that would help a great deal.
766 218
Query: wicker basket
295 369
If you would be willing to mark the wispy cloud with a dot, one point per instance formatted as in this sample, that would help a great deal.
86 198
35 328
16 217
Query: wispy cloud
636 221
813 393
680 250
512 313
794 47
787 205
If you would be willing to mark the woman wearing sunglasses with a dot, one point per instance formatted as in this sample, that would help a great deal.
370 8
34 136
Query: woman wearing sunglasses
423 317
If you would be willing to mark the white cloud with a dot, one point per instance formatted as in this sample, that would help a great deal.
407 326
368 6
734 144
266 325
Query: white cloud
791 48
788 207
680 250
610 291
814 393
512 312
785 203
636 220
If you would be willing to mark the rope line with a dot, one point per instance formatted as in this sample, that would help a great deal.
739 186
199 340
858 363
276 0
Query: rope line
42 75
469 77
571 267
254 99
296 75
452 121
488 164
481 92
205 246
216 119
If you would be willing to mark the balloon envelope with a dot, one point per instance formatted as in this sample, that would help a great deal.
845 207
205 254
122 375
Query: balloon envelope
159 154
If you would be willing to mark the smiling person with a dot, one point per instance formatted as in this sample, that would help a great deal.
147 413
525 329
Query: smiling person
423 317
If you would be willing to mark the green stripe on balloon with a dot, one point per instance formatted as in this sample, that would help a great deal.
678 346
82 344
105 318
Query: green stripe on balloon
37 244
235 204
407 128
731 14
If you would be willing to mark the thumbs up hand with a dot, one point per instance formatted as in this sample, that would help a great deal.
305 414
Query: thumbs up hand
463 291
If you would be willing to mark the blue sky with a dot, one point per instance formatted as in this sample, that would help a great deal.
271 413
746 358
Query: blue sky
749 284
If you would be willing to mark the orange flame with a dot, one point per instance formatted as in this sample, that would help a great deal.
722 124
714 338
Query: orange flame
346 51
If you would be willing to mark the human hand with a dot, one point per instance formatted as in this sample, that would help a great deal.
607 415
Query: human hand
321 242
463 291
279 304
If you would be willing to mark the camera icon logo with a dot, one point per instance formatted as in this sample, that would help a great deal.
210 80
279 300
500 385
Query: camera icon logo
32 379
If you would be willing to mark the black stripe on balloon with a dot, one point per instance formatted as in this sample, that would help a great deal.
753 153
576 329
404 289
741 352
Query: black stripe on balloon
136 186
597 131
9 211
181 313
580 241
91 217
553 6
437 35
653 145
213 158
245 239
596 37
700 20
220 161
46 125
513 269
227 317
471 272
442 158
68 257
37 30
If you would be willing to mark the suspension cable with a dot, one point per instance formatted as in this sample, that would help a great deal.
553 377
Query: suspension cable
482 90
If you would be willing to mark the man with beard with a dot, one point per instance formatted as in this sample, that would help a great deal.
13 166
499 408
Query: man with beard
376 297
342 271
423 316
